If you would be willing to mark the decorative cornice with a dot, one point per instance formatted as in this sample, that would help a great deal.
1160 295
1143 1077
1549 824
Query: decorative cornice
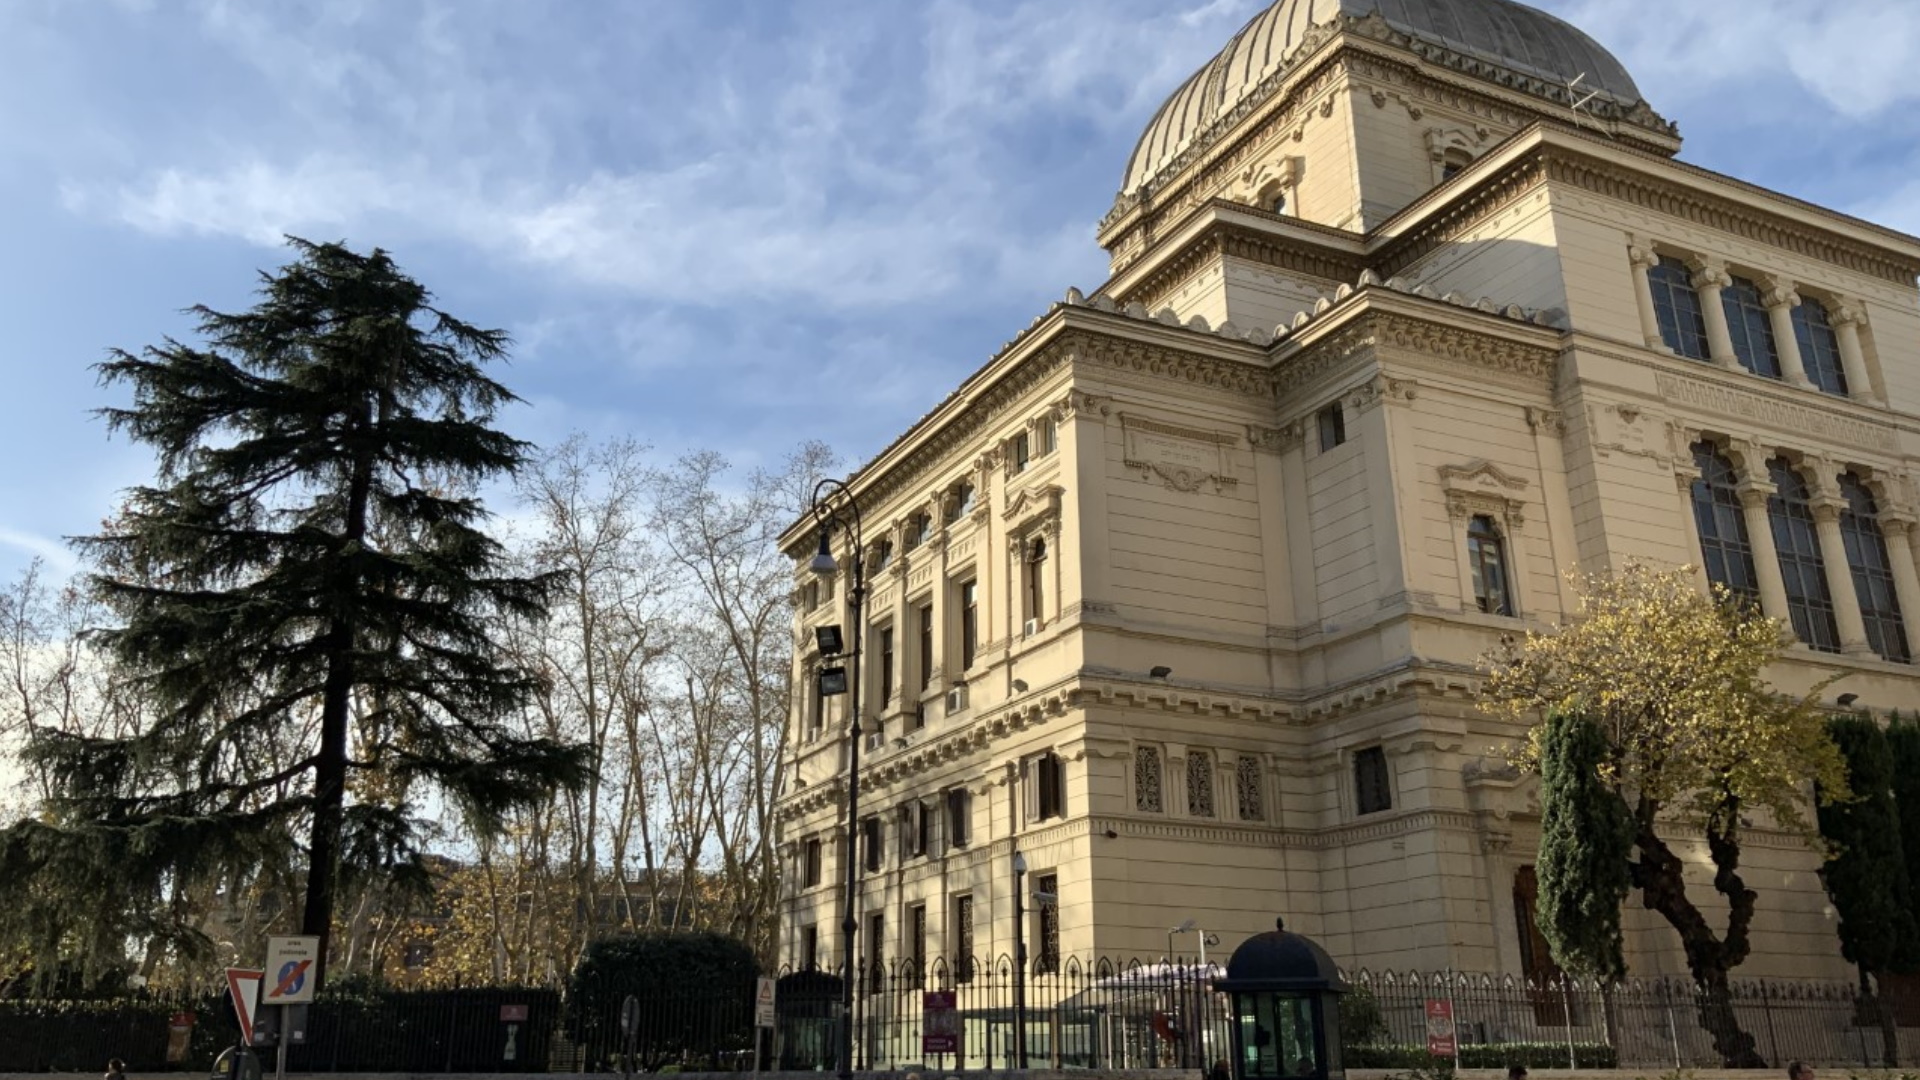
1144 358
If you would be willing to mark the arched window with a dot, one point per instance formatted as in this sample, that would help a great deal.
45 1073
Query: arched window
1487 562
1751 327
1247 787
1797 538
1036 574
1454 163
1819 347
1872 571
1683 326
1724 545
1199 783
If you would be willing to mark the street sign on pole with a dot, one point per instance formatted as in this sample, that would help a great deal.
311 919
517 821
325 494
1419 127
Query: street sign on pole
290 970
763 1004
243 985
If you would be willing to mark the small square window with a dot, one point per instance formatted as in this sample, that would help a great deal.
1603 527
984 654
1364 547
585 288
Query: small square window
1333 427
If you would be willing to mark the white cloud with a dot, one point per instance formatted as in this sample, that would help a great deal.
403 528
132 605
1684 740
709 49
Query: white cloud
59 558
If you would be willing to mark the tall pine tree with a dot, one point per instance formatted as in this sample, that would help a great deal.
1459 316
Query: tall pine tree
1586 843
306 599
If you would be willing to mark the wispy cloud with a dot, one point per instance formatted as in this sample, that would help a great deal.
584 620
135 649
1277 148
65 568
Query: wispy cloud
58 557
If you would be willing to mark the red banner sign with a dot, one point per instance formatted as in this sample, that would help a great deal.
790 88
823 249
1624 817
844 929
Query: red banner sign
940 1022
1441 1040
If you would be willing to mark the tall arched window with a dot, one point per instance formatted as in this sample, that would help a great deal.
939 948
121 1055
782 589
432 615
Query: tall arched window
1872 571
1683 326
1724 546
1797 538
1819 347
1751 327
1487 562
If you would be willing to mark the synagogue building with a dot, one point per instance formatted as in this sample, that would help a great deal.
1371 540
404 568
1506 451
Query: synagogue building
1415 309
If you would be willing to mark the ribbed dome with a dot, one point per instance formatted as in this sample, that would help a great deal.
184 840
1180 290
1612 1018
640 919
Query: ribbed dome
1499 31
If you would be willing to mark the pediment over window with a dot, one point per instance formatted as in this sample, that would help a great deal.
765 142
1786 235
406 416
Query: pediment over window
1481 487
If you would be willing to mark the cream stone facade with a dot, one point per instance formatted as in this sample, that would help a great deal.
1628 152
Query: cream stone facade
1413 312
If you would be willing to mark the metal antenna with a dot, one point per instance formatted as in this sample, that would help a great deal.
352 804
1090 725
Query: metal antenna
1582 105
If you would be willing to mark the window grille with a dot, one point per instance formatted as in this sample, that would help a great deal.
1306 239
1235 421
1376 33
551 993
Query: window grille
963 938
1048 961
1247 785
1146 779
1199 783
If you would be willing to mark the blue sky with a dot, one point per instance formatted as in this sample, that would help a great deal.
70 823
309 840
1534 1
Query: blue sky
727 224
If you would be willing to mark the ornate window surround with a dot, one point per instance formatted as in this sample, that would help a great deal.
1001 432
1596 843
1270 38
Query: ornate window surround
1483 489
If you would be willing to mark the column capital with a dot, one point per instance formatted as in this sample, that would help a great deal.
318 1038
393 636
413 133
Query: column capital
1827 509
1755 493
1643 257
1779 292
1709 273
1844 312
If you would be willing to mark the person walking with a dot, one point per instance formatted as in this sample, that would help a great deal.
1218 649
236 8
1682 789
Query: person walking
116 1069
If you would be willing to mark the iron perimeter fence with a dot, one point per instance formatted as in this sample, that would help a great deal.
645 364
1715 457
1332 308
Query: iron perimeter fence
1092 1014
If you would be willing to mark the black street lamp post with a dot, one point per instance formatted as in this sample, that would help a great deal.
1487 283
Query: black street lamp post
834 505
1019 1056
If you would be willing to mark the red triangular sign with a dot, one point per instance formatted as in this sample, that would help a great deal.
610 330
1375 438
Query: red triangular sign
243 985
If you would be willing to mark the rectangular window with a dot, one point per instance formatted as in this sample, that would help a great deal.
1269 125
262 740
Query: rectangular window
963 939
969 624
1035 571
1247 789
917 940
1049 436
1722 524
926 647
1751 328
1373 791
1683 326
1333 427
1872 571
876 953
959 817
1487 562
809 948
810 871
1146 780
1020 452
1796 539
1045 788
870 844
886 664
913 833
1048 938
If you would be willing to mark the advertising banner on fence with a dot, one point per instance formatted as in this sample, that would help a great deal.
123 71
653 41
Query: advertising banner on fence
940 1022
1441 1041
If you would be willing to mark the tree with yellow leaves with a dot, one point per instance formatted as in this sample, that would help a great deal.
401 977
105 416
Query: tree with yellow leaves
1696 739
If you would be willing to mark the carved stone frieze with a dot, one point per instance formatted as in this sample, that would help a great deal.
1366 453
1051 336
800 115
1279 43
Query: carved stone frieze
1767 409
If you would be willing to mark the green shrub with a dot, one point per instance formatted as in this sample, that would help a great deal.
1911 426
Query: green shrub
1533 1055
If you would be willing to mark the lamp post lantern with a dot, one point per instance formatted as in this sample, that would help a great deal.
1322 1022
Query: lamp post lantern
1019 1056
834 506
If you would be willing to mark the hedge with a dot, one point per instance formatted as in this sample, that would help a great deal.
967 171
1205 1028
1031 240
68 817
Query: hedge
1533 1055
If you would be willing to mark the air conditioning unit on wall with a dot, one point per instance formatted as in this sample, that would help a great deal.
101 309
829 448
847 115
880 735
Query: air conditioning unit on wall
956 699
1032 628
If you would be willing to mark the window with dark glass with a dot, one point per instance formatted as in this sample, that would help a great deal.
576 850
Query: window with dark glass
1046 788
926 646
1797 538
963 939
1751 328
810 862
1333 427
959 817
870 844
1036 574
1819 347
1872 571
817 713
1487 562
969 624
917 939
1049 436
918 529
1048 912
882 555
876 953
913 831
960 503
1724 545
886 664
810 948
1021 451
1373 790
1683 326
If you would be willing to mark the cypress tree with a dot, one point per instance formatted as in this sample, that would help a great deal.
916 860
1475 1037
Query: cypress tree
306 599
1586 847
1866 871
1903 743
